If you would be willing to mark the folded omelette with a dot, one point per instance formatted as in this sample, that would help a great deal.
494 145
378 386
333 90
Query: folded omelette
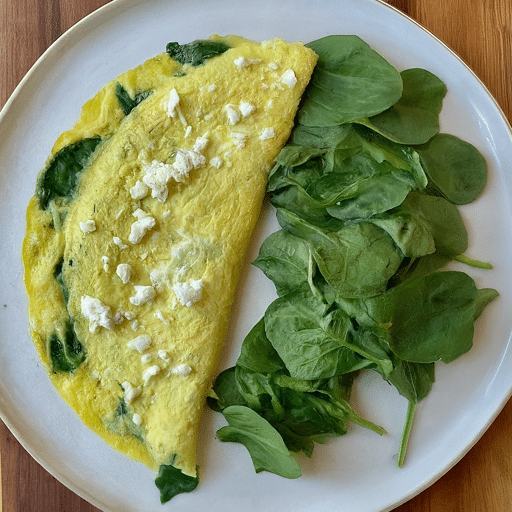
136 235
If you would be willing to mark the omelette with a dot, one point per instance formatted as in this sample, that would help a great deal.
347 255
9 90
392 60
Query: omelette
136 235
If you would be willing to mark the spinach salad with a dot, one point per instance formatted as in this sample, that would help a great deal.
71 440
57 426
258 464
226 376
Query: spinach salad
366 193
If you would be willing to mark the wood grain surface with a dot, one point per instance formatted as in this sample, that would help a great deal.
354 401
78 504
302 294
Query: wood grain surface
480 32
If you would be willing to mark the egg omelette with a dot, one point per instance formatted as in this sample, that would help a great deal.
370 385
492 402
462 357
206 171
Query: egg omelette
136 235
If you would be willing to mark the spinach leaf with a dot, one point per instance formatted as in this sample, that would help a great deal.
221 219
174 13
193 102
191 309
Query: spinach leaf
172 481
126 102
197 52
414 119
455 169
284 259
265 445
350 81
65 350
226 391
357 261
60 178
413 380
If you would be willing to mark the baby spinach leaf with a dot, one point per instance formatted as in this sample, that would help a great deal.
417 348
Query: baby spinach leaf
265 445
357 261
413 380
125 100
350 81
455 168
284 259
172 481
197 52
65 350
226 391
414 119
60 178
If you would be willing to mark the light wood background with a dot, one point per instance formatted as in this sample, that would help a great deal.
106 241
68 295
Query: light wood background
479 31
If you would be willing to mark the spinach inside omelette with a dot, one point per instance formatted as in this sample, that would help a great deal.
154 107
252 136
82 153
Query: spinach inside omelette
136 235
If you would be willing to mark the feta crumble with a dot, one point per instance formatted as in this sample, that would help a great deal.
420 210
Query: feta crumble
98 314
130 393
140 343
246 108
160 316
137 419
124 271
171 103
88 226
119 243
239 139
188 293
162 354
288 78
143 294
267 133
182 370
216 162
146 358
105 260
150 372
139 190
232 114
140 228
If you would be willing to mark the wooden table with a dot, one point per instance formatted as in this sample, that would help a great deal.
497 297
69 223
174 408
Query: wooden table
480 31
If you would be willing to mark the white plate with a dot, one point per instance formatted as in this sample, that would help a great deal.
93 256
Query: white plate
355 473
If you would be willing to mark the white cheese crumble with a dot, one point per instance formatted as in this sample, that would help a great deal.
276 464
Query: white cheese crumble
150 372
143 294
119 243
124 271
188 293
139 190
239 139
135 325
162 354
137 419
200 144
267 133
288 78
140 228
88 226
188 131
240 62
130 393
98 314
146 358
105 260
270 104
140 343
273 65
246 108
182 370
232 114
160 316
171 103
216 162
212 88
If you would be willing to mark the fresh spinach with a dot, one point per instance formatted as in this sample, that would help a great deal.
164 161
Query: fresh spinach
126 102
197 52
59 180
65 350
172 481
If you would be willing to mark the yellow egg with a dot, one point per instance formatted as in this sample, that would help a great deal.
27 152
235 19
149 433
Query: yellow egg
141 266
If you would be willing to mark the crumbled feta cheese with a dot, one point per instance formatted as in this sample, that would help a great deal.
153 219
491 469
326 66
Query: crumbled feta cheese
246 108
98 314
241 62
270 104
137 419
171 103
146 358
162 354
232 114
130 393
200 144
288 78
160 316
182 370
188 293
267 133
119 243
150 372
118 316
140 228
105 260
140 343
140 214
88 226
143 294
188 131
216 162
139 190
135 325
212 88
239 139
129 315
124 271
273 65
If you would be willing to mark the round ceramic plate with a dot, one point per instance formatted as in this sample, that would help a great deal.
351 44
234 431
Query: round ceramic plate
358 470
